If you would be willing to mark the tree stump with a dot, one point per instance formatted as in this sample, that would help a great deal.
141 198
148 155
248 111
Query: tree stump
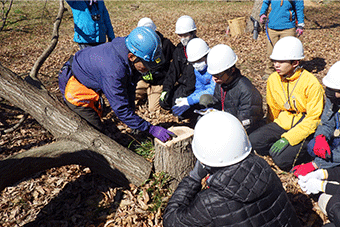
175 157
255 13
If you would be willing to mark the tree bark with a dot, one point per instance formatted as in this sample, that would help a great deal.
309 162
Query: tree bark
175 157
123 165
255 13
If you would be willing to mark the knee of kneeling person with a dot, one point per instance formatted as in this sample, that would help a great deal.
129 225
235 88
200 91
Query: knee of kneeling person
333 209
283 163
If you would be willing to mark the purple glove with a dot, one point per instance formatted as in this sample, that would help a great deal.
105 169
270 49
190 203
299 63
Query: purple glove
299 31
263 18
161 133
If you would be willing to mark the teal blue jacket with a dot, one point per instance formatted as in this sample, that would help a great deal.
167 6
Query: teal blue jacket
283 16
87 30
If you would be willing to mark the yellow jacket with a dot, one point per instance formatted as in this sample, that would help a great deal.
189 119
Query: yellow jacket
305 97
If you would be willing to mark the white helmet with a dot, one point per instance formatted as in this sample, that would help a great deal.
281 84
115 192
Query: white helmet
146 22
288 48
185 24
220 140
220 58
332 79
197 49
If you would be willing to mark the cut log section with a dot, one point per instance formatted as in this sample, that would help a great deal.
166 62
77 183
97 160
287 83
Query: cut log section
175 157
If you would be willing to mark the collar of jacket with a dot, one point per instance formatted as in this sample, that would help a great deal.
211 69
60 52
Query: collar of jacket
295 76
160 35
236 77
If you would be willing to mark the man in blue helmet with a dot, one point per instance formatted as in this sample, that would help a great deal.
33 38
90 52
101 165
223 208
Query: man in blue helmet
113 69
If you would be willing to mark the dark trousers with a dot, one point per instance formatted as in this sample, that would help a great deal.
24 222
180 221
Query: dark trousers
88 114
264 137
333 210
179 91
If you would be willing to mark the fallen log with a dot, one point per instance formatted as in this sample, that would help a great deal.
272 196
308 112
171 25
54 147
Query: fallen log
67 127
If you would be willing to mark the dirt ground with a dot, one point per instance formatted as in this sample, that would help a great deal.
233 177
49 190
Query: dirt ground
73 195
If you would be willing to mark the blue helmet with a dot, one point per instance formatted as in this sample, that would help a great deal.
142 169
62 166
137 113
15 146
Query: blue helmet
145 44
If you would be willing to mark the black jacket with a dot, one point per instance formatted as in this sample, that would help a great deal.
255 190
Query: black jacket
181 76
248 193
242 100
167 48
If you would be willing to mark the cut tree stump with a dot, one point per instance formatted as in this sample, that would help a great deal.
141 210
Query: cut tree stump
175 157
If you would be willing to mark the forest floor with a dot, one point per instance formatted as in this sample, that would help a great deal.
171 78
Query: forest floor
73 195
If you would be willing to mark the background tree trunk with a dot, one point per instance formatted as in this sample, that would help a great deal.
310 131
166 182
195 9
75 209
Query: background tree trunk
254 13
175 157
114 161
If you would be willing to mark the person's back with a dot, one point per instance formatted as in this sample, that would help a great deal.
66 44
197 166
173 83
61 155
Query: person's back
248 193
242 189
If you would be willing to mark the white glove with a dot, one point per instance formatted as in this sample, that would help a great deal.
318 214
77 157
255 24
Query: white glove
313 186
181 102
320 174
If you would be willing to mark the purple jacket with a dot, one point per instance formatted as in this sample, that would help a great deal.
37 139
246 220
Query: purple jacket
106 68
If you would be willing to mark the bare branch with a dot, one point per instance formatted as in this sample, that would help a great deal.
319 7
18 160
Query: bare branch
17 125
5 15
50 48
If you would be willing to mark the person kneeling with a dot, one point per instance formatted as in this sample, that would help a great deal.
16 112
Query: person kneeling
295 103
242 190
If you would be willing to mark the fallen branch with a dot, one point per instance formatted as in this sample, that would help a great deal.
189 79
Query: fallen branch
66 125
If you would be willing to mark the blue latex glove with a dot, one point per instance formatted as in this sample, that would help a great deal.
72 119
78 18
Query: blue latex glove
278 147
161 133
179 110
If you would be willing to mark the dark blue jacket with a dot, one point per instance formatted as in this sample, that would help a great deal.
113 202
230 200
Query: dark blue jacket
328 120
106 68
327 127
86 30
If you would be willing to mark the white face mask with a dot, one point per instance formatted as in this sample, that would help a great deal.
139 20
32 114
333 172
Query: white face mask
185 40
200 66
